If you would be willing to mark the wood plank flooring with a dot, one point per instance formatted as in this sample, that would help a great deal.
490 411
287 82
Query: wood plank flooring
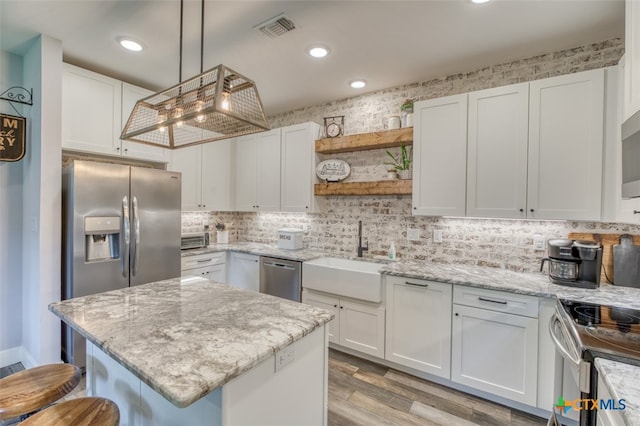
365 393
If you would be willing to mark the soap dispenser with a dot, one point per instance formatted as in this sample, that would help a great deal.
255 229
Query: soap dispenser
392 251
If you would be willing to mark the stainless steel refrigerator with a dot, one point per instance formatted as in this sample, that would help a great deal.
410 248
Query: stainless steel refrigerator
121 227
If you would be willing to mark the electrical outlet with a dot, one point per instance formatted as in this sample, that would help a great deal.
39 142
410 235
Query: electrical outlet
437 235
285 356
413 234
538 242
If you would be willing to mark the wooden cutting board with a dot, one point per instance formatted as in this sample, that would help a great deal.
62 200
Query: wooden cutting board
607 241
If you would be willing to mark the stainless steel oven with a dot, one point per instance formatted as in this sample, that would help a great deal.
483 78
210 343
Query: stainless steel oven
582 332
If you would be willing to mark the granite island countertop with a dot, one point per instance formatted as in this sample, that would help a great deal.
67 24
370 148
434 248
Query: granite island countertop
185 337
623 382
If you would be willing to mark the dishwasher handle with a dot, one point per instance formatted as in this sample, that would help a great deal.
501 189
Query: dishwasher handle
278 265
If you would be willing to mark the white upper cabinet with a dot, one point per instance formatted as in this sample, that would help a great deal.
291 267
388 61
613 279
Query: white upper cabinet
566 116
130 95
257 172
95 109
91 107
440 156
631 93
206 175
497 152
298 167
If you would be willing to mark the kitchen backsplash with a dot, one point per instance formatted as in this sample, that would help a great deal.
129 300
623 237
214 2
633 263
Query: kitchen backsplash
484 242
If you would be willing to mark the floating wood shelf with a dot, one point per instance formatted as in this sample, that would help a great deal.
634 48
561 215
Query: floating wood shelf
381 187
364 141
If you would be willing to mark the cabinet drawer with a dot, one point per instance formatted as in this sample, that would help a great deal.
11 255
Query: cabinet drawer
202 260
500 301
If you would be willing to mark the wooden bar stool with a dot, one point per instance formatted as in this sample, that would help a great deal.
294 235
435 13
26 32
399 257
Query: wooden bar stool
30 390
87 411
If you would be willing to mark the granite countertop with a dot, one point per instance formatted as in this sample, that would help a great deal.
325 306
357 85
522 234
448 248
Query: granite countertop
534 284
187 336
623 382
259 249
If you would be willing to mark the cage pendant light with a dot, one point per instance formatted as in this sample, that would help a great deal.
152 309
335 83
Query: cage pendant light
217 104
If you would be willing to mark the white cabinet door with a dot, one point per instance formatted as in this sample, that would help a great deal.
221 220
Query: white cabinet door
246 173
565 147
631 97
91 111
362 327
216 174
330 304
495 352
217 273
268 183
244 271
440 156
298 167
418 331
130 95
497 152
187 161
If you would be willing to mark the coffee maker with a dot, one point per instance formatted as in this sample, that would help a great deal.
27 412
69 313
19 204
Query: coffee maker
574 263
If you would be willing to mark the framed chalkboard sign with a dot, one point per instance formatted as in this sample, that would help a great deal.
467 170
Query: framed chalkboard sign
12 137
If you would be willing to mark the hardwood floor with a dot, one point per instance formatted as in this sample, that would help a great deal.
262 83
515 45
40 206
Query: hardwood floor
365 393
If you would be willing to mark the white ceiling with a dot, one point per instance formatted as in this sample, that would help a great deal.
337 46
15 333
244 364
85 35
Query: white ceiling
387 43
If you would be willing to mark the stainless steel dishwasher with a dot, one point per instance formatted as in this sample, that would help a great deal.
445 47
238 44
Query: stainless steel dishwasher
279 277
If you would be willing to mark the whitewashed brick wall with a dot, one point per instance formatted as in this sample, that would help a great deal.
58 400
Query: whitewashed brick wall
482 242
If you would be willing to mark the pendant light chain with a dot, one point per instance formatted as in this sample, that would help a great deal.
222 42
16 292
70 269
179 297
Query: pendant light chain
202 38
181 22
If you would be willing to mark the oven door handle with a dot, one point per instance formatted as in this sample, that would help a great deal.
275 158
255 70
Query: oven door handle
574 359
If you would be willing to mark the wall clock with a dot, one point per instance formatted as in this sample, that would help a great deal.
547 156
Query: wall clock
334 126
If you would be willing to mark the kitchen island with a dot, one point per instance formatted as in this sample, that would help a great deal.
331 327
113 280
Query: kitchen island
191 351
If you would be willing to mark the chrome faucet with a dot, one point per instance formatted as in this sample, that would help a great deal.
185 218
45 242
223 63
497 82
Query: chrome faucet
360 247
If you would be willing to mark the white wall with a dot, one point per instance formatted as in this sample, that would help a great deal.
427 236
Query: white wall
10 229
41 203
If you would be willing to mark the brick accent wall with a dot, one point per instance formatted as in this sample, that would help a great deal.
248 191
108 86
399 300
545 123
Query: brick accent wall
484 242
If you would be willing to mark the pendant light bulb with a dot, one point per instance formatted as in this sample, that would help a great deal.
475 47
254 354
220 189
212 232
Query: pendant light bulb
225 102
200 118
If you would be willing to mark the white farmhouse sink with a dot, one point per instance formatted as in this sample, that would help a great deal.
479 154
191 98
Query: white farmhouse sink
357 279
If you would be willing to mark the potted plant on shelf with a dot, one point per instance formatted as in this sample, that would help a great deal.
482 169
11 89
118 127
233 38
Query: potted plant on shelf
407 112
402 164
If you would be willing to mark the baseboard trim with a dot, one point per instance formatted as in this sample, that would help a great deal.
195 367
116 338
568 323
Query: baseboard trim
11 356
27 359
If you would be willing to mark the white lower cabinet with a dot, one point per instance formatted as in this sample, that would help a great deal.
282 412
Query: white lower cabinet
244 271
357 325
493 349
418 326
211 266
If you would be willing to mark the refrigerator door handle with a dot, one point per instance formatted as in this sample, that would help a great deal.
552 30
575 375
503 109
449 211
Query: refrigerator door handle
136 234
127 234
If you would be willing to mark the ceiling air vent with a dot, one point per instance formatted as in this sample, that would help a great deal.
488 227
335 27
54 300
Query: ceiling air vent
276 26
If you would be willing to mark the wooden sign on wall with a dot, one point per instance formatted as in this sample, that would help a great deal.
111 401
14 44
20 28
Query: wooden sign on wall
12 137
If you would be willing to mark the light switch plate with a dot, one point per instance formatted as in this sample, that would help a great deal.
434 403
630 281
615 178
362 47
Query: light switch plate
413 234
437 235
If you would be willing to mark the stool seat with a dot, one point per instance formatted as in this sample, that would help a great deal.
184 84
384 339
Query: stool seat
30 390
88 411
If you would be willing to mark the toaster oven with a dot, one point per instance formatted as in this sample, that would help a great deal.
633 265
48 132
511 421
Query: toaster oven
193 241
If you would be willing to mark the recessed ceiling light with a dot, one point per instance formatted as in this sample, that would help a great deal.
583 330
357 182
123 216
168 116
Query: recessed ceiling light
318 52
358 84
130 44
479 1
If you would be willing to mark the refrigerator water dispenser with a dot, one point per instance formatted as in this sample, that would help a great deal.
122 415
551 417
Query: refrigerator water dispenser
102 238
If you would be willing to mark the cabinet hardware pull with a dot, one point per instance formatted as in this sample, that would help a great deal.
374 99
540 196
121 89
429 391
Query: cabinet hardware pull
204 260
415 208
501 302
531 210
457 314
335 306
341 307
636 212
521 210
416 284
